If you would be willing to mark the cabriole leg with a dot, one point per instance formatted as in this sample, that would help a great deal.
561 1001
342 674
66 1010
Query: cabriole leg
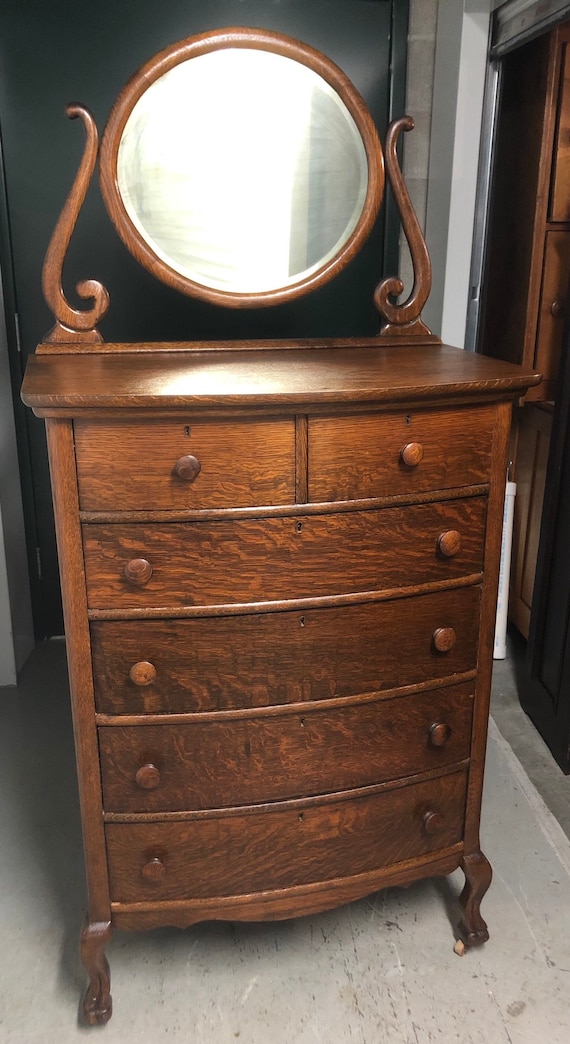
97 1005
478 874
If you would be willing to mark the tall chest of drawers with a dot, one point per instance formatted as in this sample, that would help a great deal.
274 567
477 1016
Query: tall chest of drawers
279 573
279 559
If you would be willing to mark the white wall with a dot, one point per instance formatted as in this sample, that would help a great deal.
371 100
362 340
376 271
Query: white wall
459 79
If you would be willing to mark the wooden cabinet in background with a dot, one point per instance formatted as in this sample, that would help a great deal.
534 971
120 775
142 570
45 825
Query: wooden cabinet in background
531 430
527 271
528 254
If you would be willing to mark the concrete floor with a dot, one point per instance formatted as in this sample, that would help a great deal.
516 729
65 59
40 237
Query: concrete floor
380 970
551 783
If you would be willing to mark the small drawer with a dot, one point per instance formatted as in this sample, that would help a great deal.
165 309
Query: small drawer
178 464
294 843
275 559
383 454
229 662
273 757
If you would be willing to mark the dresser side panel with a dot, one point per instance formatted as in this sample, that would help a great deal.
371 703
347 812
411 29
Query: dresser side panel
70 552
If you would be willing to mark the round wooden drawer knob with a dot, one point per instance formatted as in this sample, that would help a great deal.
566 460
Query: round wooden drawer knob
449 543
148 777
187 468
557 310
154 871
138 571
444 639
432 822
412 454
142 673
439 733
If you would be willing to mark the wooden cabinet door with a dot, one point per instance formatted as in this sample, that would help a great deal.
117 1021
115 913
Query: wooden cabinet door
533 438
544 685
552 308
560 200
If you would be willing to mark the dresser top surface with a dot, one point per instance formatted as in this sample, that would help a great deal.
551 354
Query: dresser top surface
130 376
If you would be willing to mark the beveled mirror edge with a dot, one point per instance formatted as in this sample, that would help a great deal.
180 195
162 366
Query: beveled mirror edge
204 43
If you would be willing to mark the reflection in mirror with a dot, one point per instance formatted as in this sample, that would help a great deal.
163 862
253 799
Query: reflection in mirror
242 170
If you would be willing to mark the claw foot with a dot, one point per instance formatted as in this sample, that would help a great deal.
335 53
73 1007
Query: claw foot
97 1004
478 874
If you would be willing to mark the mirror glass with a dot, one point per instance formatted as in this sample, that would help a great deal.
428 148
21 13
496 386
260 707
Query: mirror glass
242 170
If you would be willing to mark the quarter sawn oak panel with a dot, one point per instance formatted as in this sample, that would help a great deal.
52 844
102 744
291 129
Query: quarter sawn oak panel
227 662
290 754
263 849
361 455
243 463
257 560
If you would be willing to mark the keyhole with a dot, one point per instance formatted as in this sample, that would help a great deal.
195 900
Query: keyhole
187 430
408 418
301 816
299 526
302 621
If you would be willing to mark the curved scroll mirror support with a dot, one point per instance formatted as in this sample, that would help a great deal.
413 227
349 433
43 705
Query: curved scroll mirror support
404 319
241 166
74 324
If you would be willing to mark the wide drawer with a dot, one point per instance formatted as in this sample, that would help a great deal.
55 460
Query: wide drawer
227 662
177 464
258 849
272 757
376 455
274 559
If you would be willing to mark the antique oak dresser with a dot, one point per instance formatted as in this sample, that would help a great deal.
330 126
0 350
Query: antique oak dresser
279 560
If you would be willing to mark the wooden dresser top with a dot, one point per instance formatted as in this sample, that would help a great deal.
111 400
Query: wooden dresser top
133 376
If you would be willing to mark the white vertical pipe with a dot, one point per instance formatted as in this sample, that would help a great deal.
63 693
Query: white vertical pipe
500 649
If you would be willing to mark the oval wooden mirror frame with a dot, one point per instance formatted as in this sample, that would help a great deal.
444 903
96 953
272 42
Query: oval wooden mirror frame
257 39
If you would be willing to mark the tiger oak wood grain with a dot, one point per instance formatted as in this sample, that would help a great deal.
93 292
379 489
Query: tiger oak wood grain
280 903
361 455
260 850
256 559
287 755
228 662
242 463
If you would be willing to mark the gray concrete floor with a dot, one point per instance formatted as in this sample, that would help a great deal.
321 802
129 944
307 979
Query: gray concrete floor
380 970
529 747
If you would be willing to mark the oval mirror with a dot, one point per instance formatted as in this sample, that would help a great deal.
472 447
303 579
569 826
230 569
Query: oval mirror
241 166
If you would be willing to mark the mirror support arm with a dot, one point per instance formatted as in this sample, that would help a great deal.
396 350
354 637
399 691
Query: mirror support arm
404 320
74 324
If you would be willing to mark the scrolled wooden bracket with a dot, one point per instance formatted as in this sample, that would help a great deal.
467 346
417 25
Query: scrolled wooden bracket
73 324
404 320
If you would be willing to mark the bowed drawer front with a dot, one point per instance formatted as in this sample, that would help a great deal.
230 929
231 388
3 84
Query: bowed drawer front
273 559
212 663
260 849
226 760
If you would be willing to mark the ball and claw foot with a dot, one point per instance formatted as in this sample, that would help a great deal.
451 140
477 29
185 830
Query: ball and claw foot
97 1004
472 928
